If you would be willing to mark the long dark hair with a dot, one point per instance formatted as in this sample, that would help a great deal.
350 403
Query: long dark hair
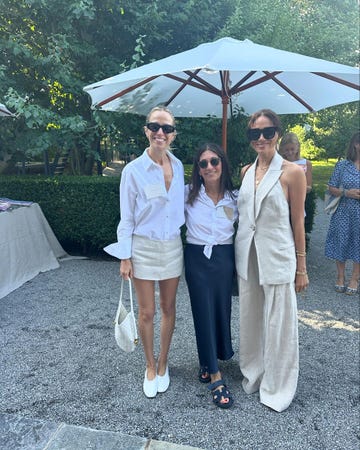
226 184
351 153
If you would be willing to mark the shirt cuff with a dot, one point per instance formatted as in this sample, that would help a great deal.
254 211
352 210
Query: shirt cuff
119 250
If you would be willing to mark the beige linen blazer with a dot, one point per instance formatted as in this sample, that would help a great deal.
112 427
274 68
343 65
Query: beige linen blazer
264 218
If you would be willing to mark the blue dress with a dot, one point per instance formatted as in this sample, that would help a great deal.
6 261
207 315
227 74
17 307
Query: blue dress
343 237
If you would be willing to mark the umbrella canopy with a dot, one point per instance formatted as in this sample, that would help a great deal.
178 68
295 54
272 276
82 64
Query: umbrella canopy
5 112
215 77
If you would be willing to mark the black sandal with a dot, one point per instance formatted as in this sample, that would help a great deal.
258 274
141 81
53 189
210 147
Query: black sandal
221 397
204 376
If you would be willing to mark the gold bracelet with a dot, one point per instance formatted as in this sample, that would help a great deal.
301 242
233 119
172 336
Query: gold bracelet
300 253
301 273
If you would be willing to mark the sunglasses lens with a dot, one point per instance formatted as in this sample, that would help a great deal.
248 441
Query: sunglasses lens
269 132
154 127
203 164
168 129
254 134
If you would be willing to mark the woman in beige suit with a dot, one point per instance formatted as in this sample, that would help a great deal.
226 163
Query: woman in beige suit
271 265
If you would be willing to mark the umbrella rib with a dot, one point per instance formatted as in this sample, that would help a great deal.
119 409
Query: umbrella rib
245 78
125 91
6 113
204 86
337 80
289 91
204 83
184 84
237 88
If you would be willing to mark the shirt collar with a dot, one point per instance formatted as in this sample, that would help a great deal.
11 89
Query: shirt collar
202 192
148 162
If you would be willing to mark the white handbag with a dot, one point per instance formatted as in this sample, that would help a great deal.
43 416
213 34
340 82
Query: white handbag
125 324
331 202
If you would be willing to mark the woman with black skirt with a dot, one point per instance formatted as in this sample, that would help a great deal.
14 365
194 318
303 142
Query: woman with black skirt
210 213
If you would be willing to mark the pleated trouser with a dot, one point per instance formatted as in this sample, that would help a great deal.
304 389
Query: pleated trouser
269 351
210 284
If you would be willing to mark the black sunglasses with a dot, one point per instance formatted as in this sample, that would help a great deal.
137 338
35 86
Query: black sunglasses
254 134
154 126
204 162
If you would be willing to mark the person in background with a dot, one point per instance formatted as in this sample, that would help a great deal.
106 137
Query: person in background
210 214
271 265
289 149
149 242
343 238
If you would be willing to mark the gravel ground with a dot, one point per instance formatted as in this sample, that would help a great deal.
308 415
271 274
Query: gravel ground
59 361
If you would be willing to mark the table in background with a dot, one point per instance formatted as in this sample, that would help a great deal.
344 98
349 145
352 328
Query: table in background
28 246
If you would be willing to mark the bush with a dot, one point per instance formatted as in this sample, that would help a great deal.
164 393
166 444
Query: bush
82 211
310 208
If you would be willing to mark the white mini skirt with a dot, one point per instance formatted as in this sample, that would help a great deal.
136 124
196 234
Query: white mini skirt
157 260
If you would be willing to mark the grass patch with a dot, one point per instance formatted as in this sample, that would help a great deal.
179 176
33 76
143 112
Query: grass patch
322 171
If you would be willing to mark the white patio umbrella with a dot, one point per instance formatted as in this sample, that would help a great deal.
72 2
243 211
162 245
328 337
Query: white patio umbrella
5 112
214 77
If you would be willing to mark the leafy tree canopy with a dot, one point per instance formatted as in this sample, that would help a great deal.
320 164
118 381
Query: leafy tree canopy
50 49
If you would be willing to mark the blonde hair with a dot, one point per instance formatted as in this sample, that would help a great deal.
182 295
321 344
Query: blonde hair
290 138
160 108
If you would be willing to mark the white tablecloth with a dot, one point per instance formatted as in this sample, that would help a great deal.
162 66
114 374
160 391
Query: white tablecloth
28 246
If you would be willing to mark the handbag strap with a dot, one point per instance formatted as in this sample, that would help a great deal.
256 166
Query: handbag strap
131 296
131 305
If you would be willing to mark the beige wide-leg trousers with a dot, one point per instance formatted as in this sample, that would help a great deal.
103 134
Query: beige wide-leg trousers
269 351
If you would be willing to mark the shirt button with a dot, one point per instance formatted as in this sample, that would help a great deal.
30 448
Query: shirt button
253 227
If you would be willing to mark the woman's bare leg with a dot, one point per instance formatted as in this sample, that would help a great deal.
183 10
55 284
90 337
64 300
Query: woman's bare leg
340 266
145 293
168 290
354 280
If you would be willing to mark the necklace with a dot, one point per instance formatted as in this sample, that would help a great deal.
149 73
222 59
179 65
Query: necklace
261 175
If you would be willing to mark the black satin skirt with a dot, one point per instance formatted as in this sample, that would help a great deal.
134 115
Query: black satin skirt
209 283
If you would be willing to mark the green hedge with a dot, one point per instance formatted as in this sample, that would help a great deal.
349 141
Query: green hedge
82 211
310 208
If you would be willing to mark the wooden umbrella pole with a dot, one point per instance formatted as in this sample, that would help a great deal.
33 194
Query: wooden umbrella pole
225 101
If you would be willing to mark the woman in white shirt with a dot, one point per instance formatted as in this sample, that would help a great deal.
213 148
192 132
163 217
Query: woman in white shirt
149 242
210 213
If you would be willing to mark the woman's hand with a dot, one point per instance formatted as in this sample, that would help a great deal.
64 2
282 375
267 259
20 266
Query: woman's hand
126 269
352 193
301 281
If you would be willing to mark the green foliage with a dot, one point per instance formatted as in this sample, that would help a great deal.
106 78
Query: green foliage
322 171
325 29
50 49
310 209
308 149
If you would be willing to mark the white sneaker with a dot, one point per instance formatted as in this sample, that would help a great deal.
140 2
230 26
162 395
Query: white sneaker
163 381
150 387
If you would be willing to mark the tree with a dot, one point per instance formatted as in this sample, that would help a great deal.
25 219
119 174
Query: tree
45 62
327 30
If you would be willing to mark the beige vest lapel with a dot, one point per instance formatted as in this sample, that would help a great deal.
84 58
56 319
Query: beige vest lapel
271 177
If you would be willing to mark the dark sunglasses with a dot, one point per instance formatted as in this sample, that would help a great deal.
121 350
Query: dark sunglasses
154 126
213 161
254 134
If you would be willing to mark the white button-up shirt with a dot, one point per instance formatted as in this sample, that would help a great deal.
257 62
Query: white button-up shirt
209 224
147 209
